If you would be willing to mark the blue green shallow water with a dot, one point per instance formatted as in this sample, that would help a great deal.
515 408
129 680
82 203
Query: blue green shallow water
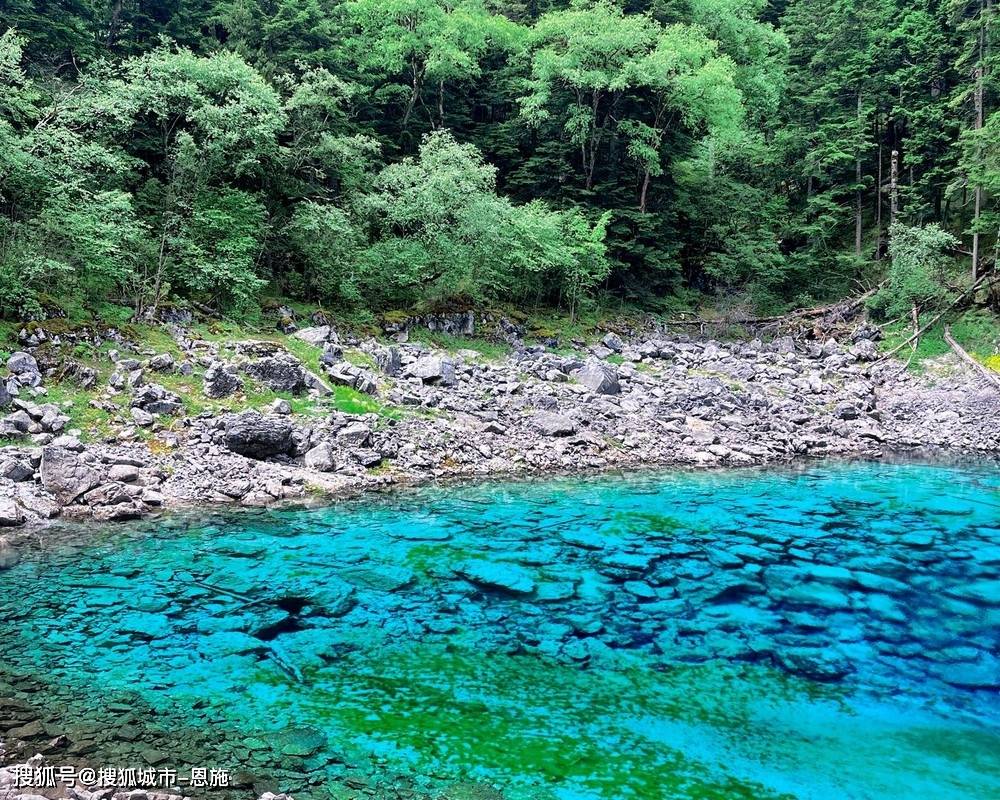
829 632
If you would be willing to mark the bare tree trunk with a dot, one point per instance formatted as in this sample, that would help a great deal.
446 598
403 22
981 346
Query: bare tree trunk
894 186
414 95
857 196
980 74
878 192
116 13
642 194
441 102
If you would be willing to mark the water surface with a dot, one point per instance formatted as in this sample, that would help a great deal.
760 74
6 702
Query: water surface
829 632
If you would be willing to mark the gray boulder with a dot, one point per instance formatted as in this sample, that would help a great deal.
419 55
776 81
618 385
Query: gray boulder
345 374
332 354
600 378
613 342
142 418
11 514
280 373
356 433
314 336
387 359
865 350
155 399
162 362
549 423
221 380
315 384
66 475
22 363
320 458
257 435
783 344
14 469
433 370
280 406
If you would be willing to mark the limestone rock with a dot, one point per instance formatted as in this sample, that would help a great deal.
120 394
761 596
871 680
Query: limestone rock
220 380
11 514
600 378
492 575
257 435
549 423
66 475
280 373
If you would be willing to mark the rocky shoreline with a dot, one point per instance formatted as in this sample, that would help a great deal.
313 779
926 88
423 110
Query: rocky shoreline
650 400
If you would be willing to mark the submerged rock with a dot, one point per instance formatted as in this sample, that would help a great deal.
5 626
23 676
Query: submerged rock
496 575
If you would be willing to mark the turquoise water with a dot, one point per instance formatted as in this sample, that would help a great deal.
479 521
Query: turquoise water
826 632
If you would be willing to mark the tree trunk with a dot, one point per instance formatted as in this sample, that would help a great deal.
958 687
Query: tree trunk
441 103
116 14
857 193
645 189
414 95
893 186
878 192
980 75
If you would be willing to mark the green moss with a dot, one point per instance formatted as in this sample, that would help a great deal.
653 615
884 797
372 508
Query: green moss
397 317
445 706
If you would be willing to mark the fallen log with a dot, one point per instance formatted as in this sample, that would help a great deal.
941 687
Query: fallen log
982 369
845 307
934 321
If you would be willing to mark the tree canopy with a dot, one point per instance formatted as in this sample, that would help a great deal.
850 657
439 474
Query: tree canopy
389 153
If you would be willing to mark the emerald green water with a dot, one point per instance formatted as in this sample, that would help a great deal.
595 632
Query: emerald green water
829 632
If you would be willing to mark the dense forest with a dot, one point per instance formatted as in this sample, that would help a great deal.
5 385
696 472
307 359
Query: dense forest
383 154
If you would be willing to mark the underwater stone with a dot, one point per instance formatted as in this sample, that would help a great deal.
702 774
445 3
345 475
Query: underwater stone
144 624
640 589
490 575
829 574
817 665
985 592
381 577
984 674
817 594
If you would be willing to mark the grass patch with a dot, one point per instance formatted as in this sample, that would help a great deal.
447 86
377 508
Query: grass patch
93 422
360 359
351 401
452 343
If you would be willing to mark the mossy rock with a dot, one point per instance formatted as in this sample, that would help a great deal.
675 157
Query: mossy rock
395 317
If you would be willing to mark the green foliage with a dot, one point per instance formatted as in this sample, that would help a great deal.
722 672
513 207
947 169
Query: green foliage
372 154
217 248
919 263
